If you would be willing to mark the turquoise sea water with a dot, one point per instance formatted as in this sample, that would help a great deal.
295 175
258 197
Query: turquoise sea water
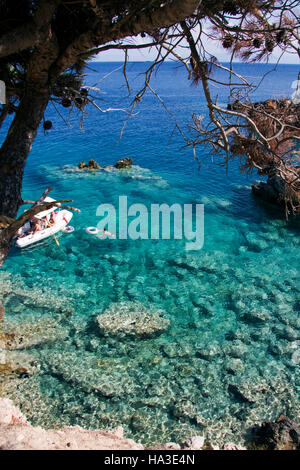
230 356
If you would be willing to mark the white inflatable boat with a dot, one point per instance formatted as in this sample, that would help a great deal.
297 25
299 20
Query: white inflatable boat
62 219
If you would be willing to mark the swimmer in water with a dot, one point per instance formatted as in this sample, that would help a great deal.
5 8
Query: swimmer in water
106 233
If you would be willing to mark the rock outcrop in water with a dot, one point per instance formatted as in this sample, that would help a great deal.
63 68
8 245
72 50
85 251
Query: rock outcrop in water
132 319
282 434
124 163
93 165
275 189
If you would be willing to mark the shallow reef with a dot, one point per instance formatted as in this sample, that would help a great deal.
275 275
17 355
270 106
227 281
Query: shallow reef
225 359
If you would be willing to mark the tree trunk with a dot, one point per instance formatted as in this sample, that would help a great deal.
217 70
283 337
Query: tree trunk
13 155
16 148
4 249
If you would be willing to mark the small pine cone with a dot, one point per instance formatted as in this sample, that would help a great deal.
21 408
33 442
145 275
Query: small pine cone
269 45
227 42
280 37
47 125
256 43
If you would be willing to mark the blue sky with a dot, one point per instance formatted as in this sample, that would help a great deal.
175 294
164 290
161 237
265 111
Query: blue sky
212 46
217 50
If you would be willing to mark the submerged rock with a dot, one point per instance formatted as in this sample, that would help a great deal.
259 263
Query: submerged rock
105 377
132 319
256 317
282 434
259 390
234 366
236 349
208 352
184 409
17 335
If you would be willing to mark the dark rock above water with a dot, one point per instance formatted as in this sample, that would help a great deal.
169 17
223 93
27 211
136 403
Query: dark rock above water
93 165
282 434
124 163
272 190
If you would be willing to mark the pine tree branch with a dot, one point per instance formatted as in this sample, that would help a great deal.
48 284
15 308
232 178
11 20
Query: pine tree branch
164 17
30 34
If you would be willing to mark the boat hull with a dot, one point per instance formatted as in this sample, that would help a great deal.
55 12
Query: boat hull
62 220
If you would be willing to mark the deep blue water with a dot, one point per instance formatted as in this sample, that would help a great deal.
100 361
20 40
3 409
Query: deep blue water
229 357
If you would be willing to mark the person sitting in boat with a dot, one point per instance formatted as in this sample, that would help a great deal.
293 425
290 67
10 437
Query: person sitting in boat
44 223
50 220
25 230
53 217
38 225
